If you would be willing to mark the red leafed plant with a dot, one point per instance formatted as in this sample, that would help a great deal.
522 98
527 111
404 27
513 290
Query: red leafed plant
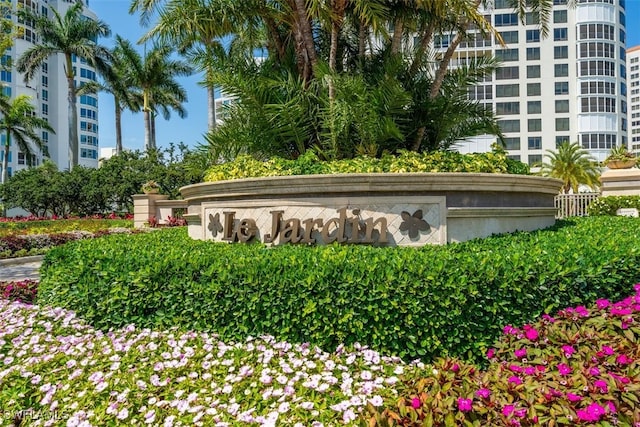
24 290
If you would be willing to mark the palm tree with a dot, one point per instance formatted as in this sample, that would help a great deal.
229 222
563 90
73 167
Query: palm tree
154 75
573 165
119 84
20 123
69 35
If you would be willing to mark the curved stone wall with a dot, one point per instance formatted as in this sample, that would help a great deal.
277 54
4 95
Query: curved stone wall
410 209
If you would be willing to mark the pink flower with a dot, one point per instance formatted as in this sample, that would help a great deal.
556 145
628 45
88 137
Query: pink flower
620 311
623 380
568 350
507 410
491 353
455 367
520 353
483 393
611 406
602 303
530 332
530 370
564 369
548 318
541 368
582 311
416 403
593 412
573 397
509 330
594 371
465 405
623 359
607 350
516 368
515 380
602 385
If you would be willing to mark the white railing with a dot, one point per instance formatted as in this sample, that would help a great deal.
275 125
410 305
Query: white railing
574 204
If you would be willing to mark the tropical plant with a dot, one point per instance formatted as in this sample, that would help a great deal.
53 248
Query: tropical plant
326 60
573 165
620 153
154 75
70 35
20 124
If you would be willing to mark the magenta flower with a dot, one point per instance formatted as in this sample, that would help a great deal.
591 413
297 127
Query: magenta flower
507 410
455 367
483 393
620 311
520 353
623 359
611 407
516 369
607 350
530 332
582 311
623 380
568 350
541 368
593 412
548 318
530 370
602 385
416 403
515 380
490 353
594 371
509 330
573 397
465 405
564 369
602 303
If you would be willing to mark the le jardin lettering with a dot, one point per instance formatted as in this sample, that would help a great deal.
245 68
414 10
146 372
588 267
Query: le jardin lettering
347 227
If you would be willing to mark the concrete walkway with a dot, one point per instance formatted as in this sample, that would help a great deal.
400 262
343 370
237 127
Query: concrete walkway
14 269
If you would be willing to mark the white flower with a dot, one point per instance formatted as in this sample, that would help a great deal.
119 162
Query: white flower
123 414
376 401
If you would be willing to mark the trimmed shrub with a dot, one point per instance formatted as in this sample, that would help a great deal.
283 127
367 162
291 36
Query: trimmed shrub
411 302
245 166
48 226
609 205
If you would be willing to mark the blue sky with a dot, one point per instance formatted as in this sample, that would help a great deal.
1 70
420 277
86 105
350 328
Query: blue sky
190 130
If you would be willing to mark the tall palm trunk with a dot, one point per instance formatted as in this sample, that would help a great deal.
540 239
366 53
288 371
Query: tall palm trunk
73 114
118 113
146 112
152 118
5 160
306 48
211 111
396 41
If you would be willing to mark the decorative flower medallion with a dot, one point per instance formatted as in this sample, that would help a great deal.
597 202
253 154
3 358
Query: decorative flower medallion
414 224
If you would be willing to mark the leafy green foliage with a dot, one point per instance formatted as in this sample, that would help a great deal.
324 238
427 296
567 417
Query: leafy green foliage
413 302
609 205
86 191
245 166
61 226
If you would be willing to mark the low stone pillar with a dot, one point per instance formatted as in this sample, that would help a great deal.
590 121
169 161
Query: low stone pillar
620 182
144 207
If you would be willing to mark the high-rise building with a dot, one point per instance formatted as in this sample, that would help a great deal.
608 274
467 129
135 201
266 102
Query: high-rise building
569 86
48 91
633 65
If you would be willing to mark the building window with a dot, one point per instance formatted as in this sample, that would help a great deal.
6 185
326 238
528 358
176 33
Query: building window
505 55
598 104
480 92
45 67
507 108
534 125
509 36
45 109
532 18
535 142
505 73
506 19
533 53
562 106
597 87
503 91
562 88
561 139
560 52
5 76
45 95
535 160
533 36
534 107
597 68
561 70
596 50
533 71
533 89
560 34
559 16
45 81
512 143
596 31
562 124
598 141
509 125
21 160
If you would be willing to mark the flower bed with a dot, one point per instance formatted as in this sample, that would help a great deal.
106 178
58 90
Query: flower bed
18 245
579 367
33 225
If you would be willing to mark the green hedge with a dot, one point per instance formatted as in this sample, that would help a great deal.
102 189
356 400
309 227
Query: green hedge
609 205
9 228
246 166
413 302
